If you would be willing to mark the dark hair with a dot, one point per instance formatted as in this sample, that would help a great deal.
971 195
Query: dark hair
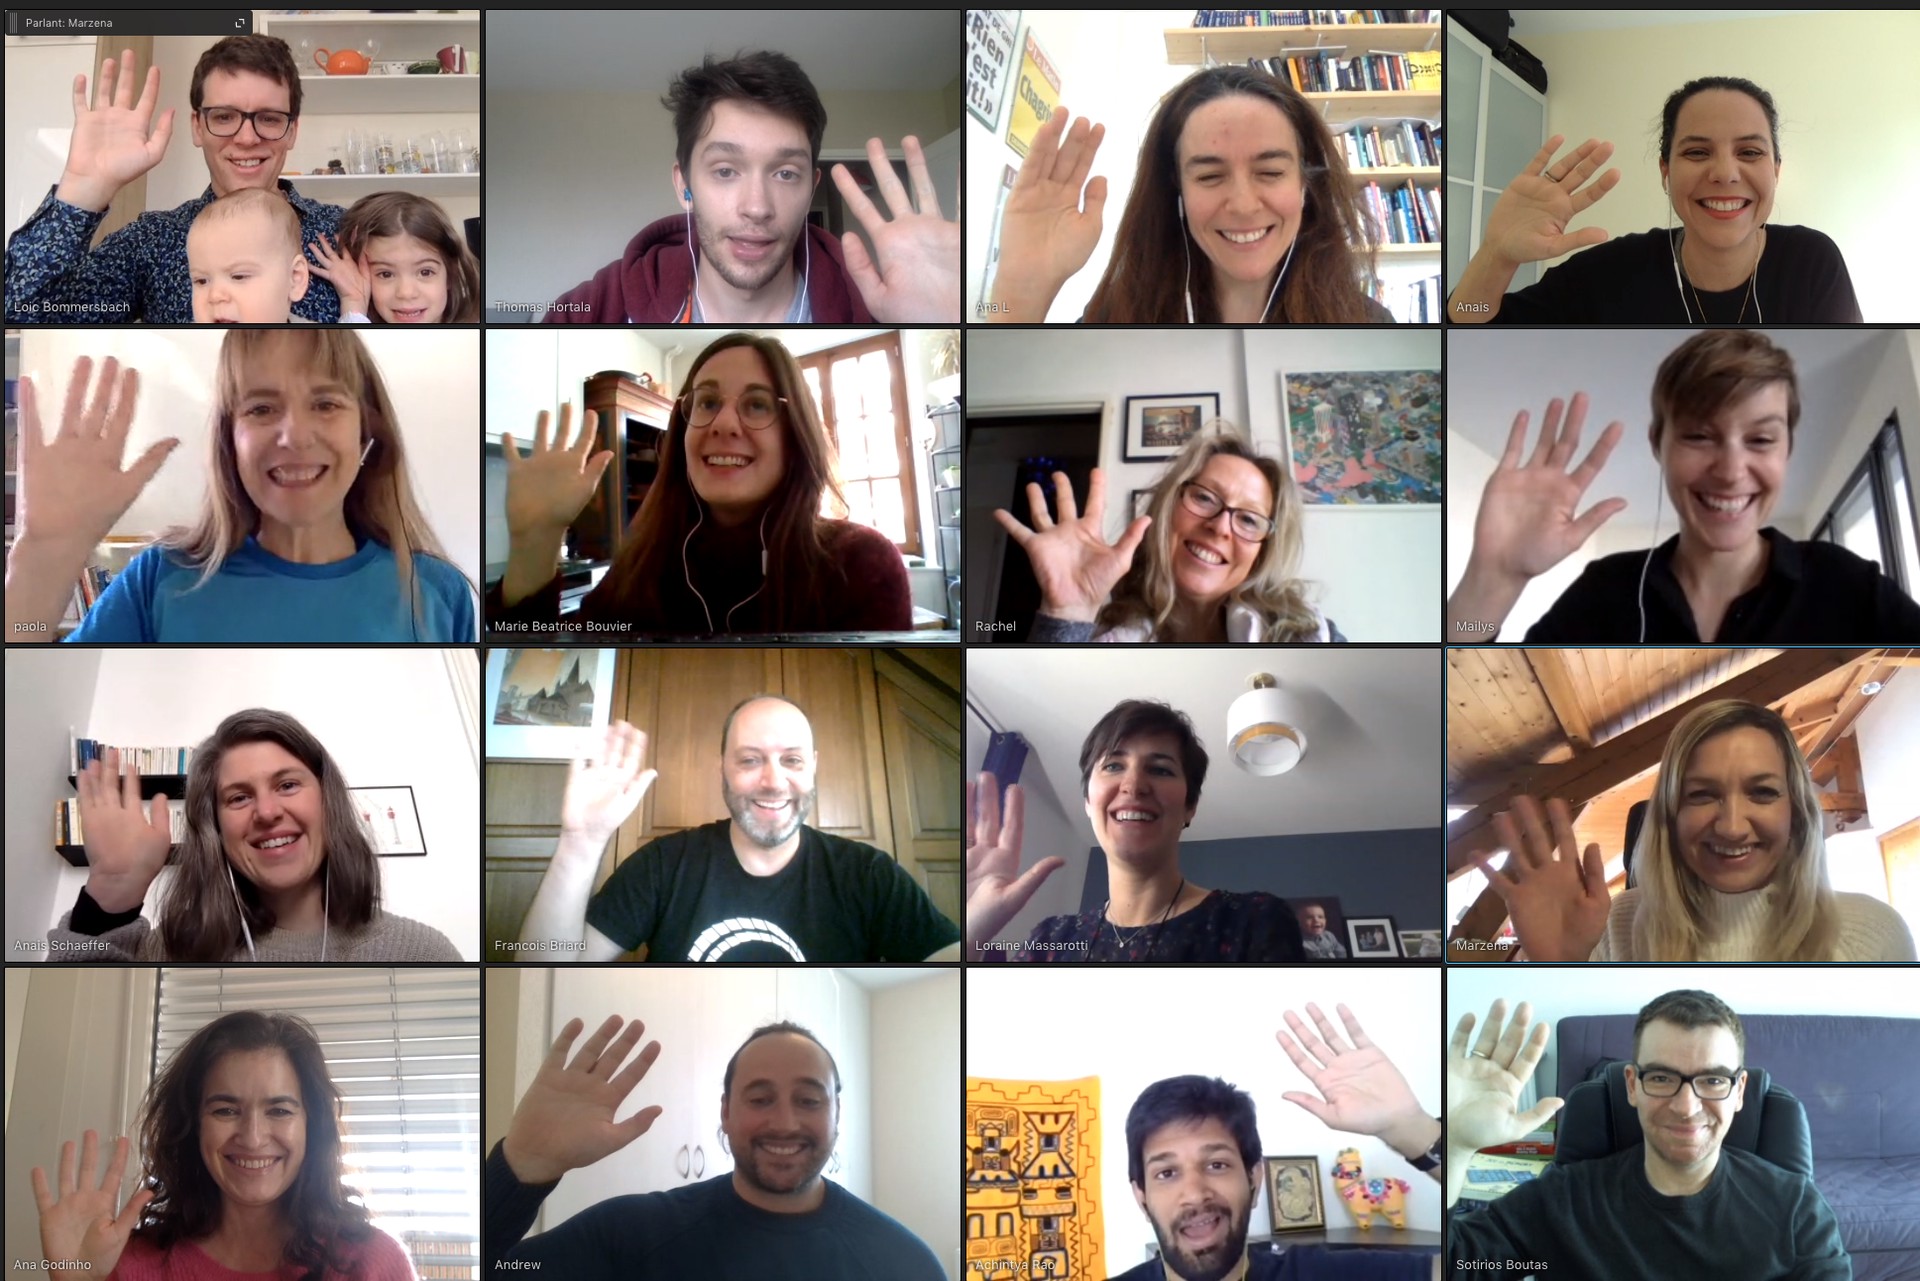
726 730
1144 284
1670 113
1190 1098
398 213
200 921
1690 1009
1138 716
799 563
783 1028
1713 369
187 1203
769 80
267 56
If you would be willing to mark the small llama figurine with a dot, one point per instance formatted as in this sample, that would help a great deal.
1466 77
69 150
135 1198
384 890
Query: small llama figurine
1365 1196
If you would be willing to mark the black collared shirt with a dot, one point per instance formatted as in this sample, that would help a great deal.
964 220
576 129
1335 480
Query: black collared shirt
1812 594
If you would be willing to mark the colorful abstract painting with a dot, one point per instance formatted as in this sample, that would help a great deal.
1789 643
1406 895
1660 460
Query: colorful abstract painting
1366 437
1033 1179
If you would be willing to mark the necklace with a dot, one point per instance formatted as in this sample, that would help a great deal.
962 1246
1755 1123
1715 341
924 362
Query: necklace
1751 298
1125 940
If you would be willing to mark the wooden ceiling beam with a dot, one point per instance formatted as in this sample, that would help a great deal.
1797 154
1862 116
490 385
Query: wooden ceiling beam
1556 682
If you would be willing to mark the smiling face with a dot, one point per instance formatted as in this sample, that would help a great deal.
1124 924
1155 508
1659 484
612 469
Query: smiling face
766 771
1684 1133
1242 186
243 270
1721 171
246 159
253 1126
1137 800
752 178
409 280
1198 1196
272 816
1313 921
296 441
1725 475
734 470
781 1120
1208 560
1733 819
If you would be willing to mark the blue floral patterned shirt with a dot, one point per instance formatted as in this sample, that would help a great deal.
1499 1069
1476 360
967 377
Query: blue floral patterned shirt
139 272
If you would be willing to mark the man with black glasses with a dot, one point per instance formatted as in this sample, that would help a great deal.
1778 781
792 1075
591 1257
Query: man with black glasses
1680 1205
245 116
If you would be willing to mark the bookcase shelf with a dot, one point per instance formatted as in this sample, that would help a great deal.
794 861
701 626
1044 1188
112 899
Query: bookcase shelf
1196 46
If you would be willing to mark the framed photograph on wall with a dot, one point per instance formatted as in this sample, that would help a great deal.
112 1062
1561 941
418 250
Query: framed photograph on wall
1159 426
546 704
1372 937
1142 499
1323 927
392 818
1293 1194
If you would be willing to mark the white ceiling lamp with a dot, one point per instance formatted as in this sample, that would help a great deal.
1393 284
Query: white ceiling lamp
1263 730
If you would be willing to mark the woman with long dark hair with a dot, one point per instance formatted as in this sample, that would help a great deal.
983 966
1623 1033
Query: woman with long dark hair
1242 212
275 863
241 1172
730 537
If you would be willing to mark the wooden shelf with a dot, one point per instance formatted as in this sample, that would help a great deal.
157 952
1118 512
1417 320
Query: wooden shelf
1398 174
382 95
282 22
1408 251
1195 46
344 189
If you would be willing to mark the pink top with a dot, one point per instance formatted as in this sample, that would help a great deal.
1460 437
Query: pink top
378 1258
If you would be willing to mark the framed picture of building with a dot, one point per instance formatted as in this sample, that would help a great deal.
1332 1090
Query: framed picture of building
546 704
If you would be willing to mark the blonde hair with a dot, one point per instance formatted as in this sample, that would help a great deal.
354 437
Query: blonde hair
380 505
237 204
1671 922
1147 595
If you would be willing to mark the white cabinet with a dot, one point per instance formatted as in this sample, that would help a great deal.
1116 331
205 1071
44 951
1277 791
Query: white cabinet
523 378
834 1008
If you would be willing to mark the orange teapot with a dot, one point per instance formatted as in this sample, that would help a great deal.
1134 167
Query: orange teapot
344 63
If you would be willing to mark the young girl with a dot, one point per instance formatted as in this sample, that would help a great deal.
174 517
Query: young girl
400 262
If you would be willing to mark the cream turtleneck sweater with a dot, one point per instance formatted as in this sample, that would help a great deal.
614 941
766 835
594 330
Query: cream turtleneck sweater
1737 923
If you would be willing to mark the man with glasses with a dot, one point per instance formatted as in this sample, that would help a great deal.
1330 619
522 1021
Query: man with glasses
245 115
1679 1205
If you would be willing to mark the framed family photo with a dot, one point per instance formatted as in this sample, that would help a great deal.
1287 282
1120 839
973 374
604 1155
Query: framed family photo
1158 427
546 704
1372 937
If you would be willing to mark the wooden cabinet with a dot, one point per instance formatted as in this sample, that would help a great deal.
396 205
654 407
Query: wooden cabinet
632 424
920 736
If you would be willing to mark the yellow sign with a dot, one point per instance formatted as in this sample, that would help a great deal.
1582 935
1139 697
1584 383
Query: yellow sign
1035 96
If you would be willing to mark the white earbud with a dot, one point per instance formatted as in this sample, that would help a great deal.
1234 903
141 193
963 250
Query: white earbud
368 450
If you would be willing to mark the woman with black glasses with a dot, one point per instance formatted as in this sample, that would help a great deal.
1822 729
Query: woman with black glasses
1213 559
729 538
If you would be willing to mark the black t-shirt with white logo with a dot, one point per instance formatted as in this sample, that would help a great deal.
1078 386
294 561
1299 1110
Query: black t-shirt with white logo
687 897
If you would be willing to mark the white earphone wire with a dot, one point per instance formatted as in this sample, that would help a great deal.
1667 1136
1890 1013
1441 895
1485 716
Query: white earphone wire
1641 595
1186 246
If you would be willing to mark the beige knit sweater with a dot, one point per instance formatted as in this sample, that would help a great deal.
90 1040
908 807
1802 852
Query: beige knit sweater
1736 924
386 940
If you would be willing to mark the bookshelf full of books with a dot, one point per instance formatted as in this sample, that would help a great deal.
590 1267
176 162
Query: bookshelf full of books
163 772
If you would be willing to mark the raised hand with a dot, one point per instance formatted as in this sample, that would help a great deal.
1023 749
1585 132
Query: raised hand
1529 518
115 139
1529 221
1075 565
1051 221
604 788
72 490
350 277
1558 899
566 1118
1484 1083
547 491
127 845
1361 1091
79 1227
917 277
996 887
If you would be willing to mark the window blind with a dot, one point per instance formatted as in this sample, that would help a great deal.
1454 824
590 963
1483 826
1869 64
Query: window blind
403 1048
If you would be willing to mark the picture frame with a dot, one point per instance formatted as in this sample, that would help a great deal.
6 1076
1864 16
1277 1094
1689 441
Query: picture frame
1158 427
392 819
1372 938
992 47
546 704
1423 945
1294 1199
1367 438
1332 938
1138 503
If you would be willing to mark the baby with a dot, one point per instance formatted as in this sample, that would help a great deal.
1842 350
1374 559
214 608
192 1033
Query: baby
244 255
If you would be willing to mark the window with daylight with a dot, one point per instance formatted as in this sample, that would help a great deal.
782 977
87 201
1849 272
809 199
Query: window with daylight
861 389
1873 517
403 1048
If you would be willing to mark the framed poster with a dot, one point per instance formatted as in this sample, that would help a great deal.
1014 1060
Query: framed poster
1293 1194
546 704
990 53
391 818
1367 438
1158 427
1035 96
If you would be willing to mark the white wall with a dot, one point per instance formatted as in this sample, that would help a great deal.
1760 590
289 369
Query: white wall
432 378
1893 389
1855 184
1889 736
912 1039
49 693
1132 1026
40 72
386 716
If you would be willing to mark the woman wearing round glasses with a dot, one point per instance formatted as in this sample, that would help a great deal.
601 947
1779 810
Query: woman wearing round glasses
729 538
1213 559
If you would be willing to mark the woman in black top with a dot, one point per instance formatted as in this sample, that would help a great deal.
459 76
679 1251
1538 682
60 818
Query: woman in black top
1722 264
1141 770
